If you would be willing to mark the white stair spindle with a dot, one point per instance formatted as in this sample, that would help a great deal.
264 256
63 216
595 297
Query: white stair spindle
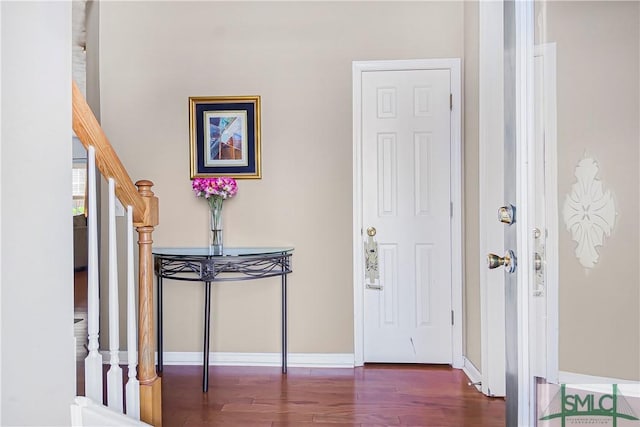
132 391
93 361
114 376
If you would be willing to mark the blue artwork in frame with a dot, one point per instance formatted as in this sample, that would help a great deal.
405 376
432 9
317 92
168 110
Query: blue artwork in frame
224 135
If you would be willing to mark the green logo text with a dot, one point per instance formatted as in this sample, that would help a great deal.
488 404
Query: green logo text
585 405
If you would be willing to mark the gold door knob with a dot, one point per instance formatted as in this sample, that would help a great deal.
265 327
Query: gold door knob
508 261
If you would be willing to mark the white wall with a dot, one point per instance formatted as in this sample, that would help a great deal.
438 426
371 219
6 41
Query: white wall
38 364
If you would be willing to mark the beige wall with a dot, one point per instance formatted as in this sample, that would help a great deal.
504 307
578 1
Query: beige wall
297 56
473 349
598 110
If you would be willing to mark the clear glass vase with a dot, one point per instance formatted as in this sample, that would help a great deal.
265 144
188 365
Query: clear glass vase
215 225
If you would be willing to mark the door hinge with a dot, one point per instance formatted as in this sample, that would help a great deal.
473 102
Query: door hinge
450 209
452 318
451 101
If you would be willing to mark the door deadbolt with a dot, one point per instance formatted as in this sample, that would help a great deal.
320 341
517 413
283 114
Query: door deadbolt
371 231
508 261
506 214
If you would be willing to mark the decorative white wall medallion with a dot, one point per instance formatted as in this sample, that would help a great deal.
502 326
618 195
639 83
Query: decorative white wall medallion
589 212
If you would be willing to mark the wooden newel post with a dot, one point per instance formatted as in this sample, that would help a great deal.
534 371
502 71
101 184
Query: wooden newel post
150 383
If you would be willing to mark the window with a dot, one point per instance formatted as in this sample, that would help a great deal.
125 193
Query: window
79 174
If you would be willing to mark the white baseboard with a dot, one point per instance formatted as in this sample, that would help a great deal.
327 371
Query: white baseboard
475 377
599 384
310 360
307 360
574 378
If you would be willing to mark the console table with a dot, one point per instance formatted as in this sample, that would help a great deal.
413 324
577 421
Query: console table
235 264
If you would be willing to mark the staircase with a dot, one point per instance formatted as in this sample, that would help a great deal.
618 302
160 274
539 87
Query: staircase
142 399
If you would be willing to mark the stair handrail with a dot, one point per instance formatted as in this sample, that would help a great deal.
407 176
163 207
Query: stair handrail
89 131
145 218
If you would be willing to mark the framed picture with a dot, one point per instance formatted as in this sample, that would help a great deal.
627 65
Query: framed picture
224 136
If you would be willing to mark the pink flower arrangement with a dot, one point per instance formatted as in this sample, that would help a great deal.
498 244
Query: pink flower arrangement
218 188
215 191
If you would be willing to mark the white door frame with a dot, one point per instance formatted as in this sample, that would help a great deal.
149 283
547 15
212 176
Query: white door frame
454 66
519 128
549 360
491 195
491 142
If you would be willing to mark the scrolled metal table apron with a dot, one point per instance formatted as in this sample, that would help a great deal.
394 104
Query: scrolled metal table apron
235 264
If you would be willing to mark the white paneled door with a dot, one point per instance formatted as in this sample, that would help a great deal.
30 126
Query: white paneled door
406 187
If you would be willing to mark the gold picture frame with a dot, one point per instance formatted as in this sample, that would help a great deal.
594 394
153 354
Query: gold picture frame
224 136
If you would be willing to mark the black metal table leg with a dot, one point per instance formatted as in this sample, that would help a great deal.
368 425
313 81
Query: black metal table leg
207 323
284 318
159 311
204 268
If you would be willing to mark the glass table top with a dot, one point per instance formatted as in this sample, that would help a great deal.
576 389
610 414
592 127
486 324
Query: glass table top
227 251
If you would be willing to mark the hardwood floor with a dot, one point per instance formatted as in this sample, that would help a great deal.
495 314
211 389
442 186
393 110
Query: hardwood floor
375 395
80 290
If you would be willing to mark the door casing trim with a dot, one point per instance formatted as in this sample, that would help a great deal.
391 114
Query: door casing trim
454 66
519 131
549 361
491 195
